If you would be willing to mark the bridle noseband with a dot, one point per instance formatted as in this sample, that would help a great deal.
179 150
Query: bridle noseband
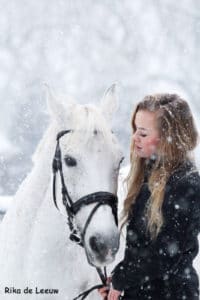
72 208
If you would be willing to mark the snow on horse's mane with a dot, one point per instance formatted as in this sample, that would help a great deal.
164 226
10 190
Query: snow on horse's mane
84 120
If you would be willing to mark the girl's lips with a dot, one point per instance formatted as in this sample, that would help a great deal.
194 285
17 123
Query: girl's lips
138 148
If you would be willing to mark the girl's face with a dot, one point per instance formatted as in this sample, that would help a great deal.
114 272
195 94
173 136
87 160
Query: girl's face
146 136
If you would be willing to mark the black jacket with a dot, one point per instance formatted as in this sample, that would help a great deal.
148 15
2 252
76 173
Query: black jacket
162 269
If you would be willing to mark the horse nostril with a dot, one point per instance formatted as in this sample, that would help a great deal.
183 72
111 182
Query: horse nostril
93 243
97 245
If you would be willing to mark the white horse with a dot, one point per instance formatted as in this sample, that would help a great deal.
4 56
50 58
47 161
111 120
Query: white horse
37 259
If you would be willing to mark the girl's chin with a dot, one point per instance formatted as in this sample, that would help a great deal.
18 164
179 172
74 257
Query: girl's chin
141 154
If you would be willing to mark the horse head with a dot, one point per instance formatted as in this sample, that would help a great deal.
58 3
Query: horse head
85 167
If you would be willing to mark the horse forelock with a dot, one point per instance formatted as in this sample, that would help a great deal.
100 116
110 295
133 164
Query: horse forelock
89 122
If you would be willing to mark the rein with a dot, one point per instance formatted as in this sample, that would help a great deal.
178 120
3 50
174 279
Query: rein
72 208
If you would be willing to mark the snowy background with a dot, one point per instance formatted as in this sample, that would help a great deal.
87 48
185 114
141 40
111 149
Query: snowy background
80 48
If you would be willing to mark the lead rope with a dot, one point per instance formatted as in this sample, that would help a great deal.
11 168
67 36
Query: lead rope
103 278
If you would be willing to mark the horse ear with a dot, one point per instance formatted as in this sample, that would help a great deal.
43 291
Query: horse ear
109 103
57 105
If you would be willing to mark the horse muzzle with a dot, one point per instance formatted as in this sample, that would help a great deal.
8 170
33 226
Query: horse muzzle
101 250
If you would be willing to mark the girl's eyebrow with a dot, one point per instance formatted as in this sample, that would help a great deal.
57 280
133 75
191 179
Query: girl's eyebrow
142 128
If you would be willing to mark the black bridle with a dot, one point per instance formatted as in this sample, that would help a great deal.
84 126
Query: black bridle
72 208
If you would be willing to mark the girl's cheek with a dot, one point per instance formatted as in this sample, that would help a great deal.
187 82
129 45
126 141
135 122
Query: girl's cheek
152 146
153 142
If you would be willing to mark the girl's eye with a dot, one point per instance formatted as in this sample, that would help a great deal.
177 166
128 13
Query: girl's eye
70 161
143 135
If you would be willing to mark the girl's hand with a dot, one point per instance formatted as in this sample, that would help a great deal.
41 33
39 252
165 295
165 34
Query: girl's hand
104 292
114 294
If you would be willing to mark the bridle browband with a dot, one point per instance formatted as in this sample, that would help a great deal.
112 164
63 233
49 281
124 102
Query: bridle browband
72 208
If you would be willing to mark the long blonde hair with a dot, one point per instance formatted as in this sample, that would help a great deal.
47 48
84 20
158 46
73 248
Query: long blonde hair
178 136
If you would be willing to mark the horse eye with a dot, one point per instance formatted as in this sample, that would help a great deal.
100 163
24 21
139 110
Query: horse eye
70 161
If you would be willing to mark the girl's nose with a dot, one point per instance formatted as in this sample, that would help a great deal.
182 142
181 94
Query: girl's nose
135 137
